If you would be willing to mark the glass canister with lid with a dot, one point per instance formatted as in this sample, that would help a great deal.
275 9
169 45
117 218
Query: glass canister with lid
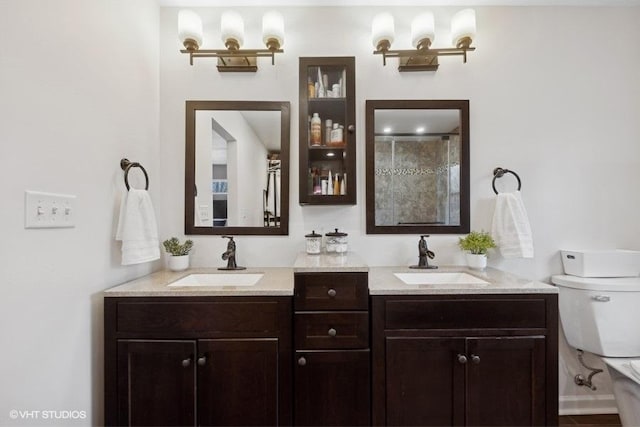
336 241
314 242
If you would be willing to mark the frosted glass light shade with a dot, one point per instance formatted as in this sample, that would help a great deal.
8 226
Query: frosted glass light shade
463 24
422 27
273 27
382 28
189 26
232 27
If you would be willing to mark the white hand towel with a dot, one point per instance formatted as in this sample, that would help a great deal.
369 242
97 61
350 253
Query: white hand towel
511 229
137 228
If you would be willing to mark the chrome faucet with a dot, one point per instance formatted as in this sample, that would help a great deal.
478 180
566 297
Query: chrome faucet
230 255
424 254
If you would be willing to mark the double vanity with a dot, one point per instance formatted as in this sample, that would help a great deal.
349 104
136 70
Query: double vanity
331 342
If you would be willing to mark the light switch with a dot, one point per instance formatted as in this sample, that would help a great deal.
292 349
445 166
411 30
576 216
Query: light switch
49 210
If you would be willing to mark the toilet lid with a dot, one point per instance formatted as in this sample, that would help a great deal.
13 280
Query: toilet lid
615 284
627 366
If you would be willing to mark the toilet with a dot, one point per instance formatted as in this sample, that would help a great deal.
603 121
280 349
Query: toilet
602 316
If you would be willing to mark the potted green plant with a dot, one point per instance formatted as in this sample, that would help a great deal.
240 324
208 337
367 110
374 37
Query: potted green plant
178 259
476 244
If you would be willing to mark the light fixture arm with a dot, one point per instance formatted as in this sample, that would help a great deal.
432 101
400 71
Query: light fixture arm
422 59
223 54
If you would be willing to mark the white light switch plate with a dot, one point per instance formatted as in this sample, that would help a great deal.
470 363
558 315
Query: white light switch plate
48 210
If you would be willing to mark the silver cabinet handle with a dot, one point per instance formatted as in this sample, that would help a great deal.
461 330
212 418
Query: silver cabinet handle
202 360
475 358
186 362
332 292
302 361
462 359
601 298
332 332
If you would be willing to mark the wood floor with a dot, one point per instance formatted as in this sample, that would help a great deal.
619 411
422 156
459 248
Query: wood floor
600 420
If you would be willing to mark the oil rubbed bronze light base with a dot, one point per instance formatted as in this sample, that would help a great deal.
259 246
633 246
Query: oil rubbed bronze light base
419 63
237 64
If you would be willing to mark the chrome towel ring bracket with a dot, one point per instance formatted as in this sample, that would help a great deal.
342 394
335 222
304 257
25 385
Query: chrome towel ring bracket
126 166
499 173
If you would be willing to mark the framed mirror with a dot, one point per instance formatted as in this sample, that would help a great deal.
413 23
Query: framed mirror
417 166
237 167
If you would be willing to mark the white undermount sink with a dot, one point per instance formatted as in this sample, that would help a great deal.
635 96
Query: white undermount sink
218 279
455 278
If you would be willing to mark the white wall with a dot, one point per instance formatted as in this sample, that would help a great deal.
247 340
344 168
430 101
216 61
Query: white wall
78 91
554 95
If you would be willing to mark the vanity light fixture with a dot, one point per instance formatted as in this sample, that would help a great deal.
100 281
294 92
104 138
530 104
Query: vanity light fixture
233 58
423 57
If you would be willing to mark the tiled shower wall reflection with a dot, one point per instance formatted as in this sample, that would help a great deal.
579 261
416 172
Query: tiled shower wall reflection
417 181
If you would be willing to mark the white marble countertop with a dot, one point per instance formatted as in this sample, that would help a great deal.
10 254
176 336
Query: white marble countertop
276 281
329 262
382 281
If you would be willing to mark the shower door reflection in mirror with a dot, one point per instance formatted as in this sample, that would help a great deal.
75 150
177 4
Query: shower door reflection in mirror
237 167
417 167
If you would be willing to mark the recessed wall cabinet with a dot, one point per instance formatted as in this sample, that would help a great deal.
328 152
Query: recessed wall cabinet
332 357
327 131
465 360
198 361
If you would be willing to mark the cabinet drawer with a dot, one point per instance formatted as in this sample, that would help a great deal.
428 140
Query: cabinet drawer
470 313
331 330
218 317
331 291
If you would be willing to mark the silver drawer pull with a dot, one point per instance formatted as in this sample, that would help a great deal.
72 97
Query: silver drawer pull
332 332
601 298
332 293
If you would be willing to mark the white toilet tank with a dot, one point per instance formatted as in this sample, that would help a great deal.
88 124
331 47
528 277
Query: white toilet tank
600 315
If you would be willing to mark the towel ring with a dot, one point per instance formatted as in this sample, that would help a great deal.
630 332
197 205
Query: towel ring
498 173
126 166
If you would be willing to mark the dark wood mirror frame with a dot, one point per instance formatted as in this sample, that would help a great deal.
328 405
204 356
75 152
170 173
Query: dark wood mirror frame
463 107
190 162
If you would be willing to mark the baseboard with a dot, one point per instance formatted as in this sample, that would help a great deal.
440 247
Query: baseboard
587 405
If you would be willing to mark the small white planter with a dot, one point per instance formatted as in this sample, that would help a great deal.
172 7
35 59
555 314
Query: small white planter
477 262
178 263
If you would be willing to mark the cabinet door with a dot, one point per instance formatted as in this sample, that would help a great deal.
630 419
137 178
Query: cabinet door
156 383
238 382
332 388
506 381
327 131
424 381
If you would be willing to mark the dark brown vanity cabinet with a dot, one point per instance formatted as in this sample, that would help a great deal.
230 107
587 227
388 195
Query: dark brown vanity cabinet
465 360
332 355
198 361
327 131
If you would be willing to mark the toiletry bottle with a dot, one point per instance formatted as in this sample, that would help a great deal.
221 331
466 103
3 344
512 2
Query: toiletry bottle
327 131
317 189
343 187
311 88
336 135
330 185
336 185
316 130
